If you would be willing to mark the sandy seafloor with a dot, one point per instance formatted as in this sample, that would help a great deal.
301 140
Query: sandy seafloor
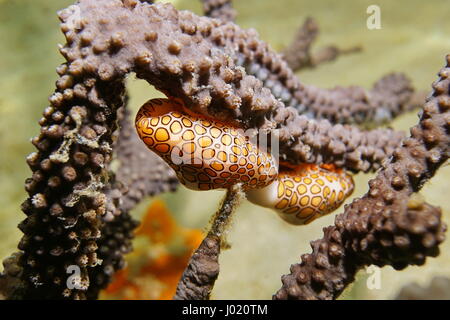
414 39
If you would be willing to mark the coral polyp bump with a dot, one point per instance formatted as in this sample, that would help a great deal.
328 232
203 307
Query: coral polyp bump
208 154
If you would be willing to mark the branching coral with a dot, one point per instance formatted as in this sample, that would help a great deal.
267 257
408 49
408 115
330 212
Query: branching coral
197 61
219 9
438 289
224 72
202 271
137 176
386 226
74 149
298 54
140 174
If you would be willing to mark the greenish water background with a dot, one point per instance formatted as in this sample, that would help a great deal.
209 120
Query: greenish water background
414 39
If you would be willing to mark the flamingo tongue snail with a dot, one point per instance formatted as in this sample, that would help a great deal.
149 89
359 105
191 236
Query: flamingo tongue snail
208 154
204 153
305 193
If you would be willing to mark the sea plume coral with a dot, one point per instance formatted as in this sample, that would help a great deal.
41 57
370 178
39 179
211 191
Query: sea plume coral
386 226
222 71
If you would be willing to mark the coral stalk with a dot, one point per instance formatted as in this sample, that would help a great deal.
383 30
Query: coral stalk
140 173
219 9
298 54
96 240
438 289
77 212
202 271
386 226
211 66
74 150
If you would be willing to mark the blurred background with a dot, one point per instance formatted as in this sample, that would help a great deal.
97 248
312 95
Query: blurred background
414 39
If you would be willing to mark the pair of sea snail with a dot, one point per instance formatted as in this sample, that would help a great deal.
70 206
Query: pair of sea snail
208 154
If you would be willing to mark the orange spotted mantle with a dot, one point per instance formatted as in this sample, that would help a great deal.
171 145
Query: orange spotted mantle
304 193
207 154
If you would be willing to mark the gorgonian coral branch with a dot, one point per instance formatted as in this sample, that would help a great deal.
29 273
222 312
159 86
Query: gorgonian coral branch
298 54
437 289
219 9
106 244
202 271
203 61
207 63
199 277
140 174
66 203
390 97
386 226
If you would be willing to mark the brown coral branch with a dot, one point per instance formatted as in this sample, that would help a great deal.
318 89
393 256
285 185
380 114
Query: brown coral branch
199 277
113 244
390 97
298 54
386 226
338 105
66 201
207 63
111 240
438 289
197 61
311 141
140 173
219 9
331 53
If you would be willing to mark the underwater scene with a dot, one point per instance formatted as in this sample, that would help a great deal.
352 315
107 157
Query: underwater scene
132 172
